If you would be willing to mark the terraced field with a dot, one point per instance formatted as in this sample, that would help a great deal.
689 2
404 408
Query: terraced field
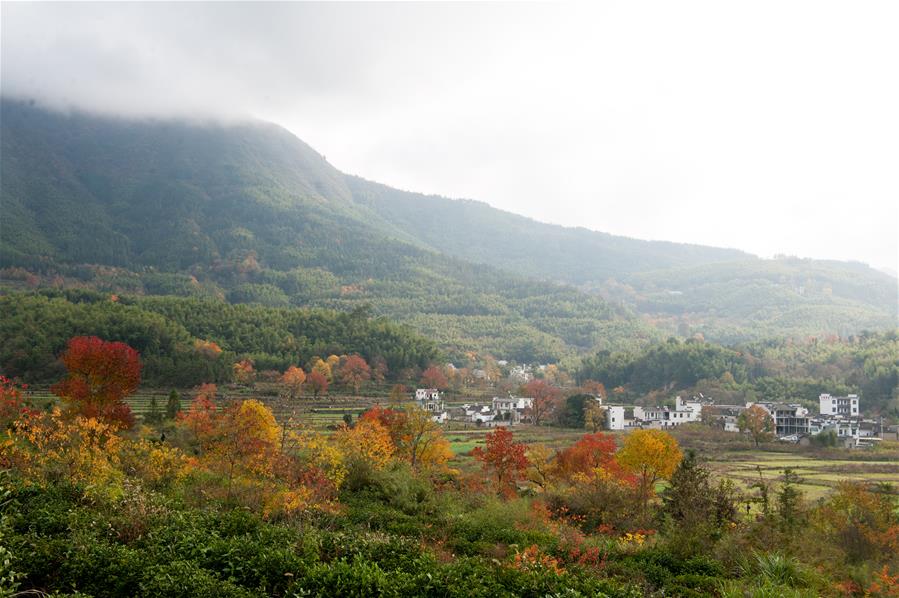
819 475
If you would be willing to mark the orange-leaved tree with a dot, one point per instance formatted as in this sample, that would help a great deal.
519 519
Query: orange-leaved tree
651 455
100 374
417 437
757 422
293 379
354 371
591 455
244 373
202 410
504 458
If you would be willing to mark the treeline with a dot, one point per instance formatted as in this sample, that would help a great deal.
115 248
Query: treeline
867 364
172 334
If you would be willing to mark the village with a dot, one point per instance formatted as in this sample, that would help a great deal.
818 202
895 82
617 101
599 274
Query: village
789 422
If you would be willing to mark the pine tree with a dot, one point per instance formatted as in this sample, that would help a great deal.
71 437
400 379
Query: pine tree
173 406
153 416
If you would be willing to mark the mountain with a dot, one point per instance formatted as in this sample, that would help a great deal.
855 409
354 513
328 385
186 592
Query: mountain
250 214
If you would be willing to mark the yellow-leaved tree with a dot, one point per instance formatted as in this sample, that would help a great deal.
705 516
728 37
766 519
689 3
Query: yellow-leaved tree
367 443
651 455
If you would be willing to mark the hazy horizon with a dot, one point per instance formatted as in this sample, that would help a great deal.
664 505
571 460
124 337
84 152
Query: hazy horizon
650 124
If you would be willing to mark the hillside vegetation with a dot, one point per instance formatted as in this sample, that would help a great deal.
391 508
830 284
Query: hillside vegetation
248 213
173 333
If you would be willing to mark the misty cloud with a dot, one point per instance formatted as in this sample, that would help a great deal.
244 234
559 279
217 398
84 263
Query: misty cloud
770 127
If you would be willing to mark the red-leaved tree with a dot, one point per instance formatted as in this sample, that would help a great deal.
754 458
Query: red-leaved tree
317 382
433 378
504 458
100 375
354 371
546 397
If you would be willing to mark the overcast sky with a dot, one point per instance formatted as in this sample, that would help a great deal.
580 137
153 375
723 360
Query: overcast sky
772 127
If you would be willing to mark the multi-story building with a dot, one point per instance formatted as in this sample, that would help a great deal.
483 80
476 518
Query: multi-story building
431 401
845 406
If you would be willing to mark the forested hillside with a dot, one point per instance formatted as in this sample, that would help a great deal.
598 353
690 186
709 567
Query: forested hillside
185 342
726 295
250 214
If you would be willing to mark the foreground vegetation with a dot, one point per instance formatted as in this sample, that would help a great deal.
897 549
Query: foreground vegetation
231 499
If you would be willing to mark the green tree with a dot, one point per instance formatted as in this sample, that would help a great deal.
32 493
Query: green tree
154 415
173 405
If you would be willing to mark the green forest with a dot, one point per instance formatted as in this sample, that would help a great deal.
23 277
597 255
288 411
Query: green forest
169 332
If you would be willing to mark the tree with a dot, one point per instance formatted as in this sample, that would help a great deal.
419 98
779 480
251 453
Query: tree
379 369
317 382
293 379
594 416
173 405
417 437
570 413
100 375
243 438
592 454
504 458
694 510
541 467
433 378
757 422
421 439
322 367
789 501
153 416
244 372
366 443
651 455
545 396
354 372
199 417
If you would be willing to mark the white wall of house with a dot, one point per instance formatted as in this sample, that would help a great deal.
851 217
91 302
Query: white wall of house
615 417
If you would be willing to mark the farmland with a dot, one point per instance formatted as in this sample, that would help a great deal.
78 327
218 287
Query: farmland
728 455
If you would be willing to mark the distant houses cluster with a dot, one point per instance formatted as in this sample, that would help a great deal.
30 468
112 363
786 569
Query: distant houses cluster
501 411
792 421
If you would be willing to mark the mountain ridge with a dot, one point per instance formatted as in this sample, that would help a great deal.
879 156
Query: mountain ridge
257 215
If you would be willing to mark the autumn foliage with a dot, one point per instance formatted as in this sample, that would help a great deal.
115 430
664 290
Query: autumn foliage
100 374
433 377
354 371
546 398
503 459
318 382
592 454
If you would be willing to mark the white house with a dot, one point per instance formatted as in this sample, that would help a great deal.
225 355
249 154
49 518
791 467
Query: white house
664 417
430 400
427 394
615 417
846 406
